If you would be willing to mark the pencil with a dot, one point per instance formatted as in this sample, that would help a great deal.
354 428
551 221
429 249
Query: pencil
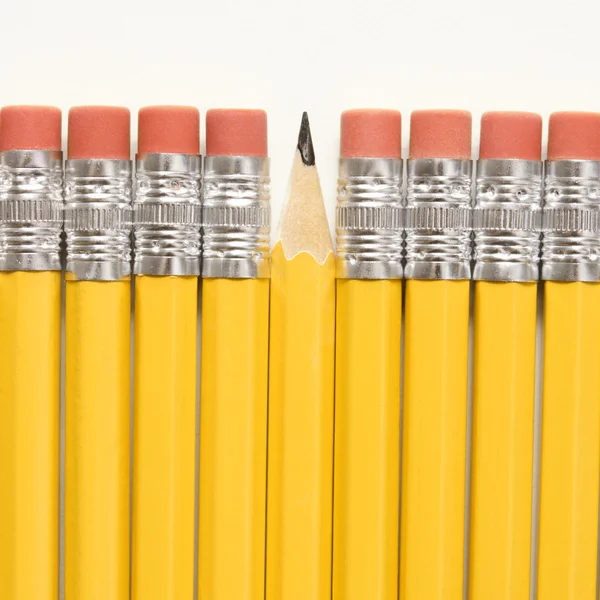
30 298
301 390
507 224
570 467
98 225
436 355
235 355
166 268
369 308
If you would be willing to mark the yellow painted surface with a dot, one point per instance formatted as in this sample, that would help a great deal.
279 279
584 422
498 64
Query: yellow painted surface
434 440
97 440
164 437
301 409
29 434
233 439
367 440
568 534
502 447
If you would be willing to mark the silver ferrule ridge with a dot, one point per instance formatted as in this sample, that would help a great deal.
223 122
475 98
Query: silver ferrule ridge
507 220
571 221
369 219
31 203
236 217
438 219
98 217
167 215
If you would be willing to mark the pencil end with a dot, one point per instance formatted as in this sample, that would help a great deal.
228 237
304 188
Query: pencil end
303 226
305 144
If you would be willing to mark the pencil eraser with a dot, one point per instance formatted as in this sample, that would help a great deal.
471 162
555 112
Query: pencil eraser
30 128
511 134
99 132
170 129
574 135
371 133
440 134
236 132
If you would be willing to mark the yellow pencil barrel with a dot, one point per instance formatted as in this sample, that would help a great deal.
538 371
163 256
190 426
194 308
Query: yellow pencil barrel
234 373
434 439
506 223
97 223
29 433
97 440
31 195
301 407
438 220
164 437
502 440
233 438
570 468
368 362
567 561
367 440
167 242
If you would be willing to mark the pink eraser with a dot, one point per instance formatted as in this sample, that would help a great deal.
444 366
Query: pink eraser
30 128
574 135
511 134
236 132
171 129
99 132
440 134
371 133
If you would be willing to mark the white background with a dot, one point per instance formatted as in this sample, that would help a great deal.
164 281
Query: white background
322 56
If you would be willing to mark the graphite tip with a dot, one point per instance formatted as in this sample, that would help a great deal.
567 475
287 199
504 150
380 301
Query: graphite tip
305 145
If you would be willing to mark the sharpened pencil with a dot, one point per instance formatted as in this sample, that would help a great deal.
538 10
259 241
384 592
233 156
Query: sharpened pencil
301 390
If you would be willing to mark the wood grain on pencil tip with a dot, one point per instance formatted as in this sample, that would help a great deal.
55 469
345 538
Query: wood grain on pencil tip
303 226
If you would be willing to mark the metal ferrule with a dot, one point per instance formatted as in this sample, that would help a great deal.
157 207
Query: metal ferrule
236 216
507 220
571 221
167 214
438 219
98 219
369 219
31 202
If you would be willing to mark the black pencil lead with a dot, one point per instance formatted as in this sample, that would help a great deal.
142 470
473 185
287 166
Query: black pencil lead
305 145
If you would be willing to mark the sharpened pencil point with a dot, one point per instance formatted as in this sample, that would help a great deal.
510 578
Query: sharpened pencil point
305 145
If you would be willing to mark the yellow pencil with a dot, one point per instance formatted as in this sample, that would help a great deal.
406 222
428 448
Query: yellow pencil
436 355
98 305
167 265
235 354
369 307
507 222
301 390
30 297
570 468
